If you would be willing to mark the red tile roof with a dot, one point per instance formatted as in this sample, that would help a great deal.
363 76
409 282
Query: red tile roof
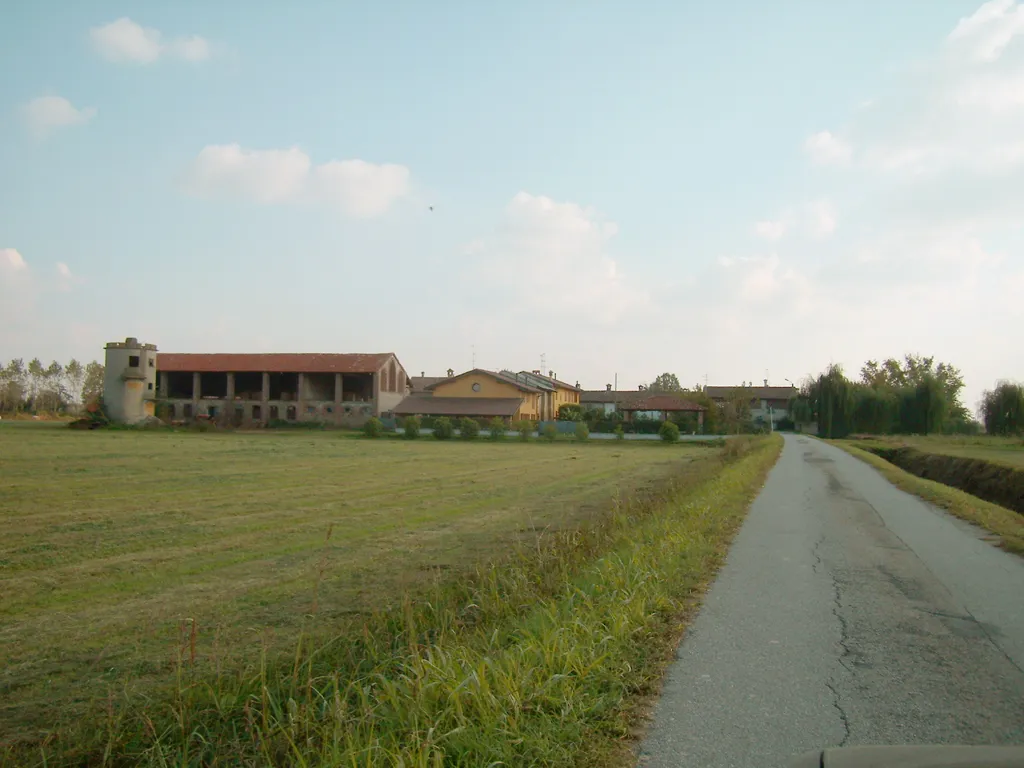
661 403
274 362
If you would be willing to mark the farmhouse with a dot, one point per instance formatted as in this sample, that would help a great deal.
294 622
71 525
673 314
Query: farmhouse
485 394
339 389
765 402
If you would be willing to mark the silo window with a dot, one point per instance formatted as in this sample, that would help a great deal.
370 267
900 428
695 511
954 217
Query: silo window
151 362
133 361
149 385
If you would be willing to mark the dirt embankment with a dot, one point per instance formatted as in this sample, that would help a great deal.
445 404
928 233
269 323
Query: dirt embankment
999 484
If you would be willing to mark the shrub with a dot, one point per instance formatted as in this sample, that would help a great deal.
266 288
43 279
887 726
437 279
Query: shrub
669 432
737 447
443 429
469 429
525 429
497 428
550 432
411 425
373 427
570 412
582 432
619 432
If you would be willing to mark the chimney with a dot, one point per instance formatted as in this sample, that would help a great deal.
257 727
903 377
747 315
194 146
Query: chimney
536 373
450 373
640 388
766 382
608 387
423 374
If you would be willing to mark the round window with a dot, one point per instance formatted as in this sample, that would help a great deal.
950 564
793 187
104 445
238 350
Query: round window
476 387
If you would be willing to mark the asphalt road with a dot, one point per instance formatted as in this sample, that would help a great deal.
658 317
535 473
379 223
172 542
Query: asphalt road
848 612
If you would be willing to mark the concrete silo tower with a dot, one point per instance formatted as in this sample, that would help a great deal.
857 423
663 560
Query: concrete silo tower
129 380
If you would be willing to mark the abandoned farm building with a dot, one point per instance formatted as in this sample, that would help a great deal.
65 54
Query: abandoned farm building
340 389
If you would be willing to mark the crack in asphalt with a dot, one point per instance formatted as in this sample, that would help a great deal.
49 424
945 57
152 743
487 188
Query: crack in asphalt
844 637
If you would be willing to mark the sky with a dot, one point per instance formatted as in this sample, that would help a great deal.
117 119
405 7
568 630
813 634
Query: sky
725 191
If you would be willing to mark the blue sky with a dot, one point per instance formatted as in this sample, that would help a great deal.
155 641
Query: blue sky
710 189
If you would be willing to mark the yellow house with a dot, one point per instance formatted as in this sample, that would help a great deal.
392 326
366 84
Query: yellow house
554 392
477 394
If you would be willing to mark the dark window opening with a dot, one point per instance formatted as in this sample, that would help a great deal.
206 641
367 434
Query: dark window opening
274 413
171 411
149 385
357 387
151 362
211 411
310 409
329 409
239 416
179 385
186 411
393 378
257 413
133 361
318 386
290 413
213 385
248 386
284 386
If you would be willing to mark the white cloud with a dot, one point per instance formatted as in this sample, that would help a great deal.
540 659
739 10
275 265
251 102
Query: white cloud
825 148
44 114
553 260
63 270
12 261
770 230
358 188
989 30
814 219
126 40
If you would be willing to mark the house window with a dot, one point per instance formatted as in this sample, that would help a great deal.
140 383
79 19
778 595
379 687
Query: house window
476 386
133 361
329 409
211 411
310 409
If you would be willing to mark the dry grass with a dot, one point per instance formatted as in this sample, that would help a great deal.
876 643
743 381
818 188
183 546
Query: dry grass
1004 523
124 552
1008 451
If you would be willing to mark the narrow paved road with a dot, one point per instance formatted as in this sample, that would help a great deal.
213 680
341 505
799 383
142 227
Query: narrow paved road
848 612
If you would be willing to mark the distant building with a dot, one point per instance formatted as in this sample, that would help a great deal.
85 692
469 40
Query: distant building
477 394
129 381
765 402
607 400
339 389
661 407
554 393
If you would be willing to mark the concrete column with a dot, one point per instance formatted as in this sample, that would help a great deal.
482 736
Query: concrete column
231 386
337 389
700 422
266 387
300 409
376 394
196 389
164 386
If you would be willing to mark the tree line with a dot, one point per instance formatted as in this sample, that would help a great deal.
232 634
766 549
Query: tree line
56 388
915 395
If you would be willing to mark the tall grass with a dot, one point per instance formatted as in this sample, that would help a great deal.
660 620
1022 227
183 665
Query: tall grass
536 660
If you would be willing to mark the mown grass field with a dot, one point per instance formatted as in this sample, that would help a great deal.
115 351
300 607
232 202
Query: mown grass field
1001 450
117 543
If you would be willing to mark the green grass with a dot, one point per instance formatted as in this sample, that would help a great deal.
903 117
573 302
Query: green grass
185 599
1005 524
1000 450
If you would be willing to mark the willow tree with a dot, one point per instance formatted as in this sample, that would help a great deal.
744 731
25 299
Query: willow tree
1003 409
923 407
834 401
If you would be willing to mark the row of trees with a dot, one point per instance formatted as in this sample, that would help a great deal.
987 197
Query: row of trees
914 395
56 388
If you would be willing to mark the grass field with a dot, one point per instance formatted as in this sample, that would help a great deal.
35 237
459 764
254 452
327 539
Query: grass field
1001 450
124 552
